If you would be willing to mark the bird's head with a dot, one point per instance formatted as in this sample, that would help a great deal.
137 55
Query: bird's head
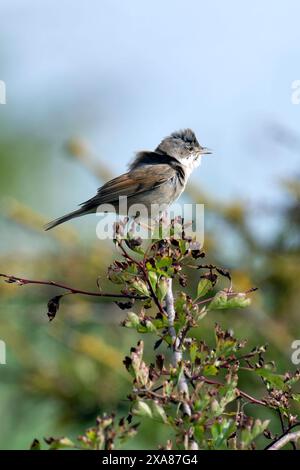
184 146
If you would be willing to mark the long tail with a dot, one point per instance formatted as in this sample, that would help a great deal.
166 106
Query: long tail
64 218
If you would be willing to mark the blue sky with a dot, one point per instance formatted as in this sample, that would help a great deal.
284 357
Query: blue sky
123 74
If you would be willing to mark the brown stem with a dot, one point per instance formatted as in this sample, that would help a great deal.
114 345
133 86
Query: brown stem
240 392
23 281
229 294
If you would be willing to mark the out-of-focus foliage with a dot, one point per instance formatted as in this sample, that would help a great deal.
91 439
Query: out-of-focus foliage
59 376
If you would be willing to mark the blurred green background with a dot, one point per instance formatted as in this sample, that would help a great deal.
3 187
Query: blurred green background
86 87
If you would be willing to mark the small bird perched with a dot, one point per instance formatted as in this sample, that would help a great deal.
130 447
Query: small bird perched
157 177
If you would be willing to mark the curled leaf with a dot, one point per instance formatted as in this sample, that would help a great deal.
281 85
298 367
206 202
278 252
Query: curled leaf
53 306
141 408
224 272
158 412
35 445
141 287
162 289
204 286
124 305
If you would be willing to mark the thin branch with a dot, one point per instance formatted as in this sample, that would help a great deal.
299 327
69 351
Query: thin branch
157 396
250 398
283 428
23 281
240 392
229 294
284 440
287 431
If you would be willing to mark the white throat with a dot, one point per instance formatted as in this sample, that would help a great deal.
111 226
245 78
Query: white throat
190 164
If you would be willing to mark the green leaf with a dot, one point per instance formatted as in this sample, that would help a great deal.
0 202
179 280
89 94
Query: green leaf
193 352
250 433
164 262
162 289
181 303
132 320
183 246
168 387
238 301
149 327
141 408
275 380
222 301
221 431
296 397
141 325
199 432
210 369
203 312
293 380
91 434
158 412
202 403
219 301
153 279
204 286
141 287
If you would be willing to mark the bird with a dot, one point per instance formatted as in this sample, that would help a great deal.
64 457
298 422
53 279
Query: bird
153 178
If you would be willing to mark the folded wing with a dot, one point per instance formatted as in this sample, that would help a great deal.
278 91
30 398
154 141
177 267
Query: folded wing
130 184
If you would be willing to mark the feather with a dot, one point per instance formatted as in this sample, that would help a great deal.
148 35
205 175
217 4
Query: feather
152 158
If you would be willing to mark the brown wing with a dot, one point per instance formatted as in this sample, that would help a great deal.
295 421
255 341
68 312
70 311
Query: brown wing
134 182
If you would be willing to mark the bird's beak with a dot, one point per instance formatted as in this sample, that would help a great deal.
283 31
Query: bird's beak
205 151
